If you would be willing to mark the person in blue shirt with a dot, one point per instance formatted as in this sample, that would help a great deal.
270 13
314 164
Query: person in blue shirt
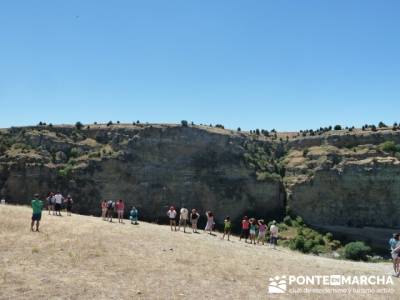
133 215
394 243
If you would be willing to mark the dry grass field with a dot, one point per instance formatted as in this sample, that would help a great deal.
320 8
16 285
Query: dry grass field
82 257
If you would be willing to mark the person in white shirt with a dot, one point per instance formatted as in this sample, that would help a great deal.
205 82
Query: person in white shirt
172 215
183 218
274 235
59 200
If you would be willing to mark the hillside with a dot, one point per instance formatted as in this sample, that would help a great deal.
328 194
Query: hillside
83 257
344 181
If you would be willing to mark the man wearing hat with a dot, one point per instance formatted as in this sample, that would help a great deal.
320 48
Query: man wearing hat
37 206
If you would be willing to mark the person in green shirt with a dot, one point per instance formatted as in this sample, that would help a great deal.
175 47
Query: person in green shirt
37 205
227 227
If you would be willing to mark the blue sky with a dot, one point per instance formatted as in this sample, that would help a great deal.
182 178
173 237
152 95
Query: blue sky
255 64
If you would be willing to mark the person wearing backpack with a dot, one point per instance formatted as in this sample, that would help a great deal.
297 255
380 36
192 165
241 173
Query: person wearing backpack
194 217
110 210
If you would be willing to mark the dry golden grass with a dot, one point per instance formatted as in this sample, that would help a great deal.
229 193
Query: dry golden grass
82 257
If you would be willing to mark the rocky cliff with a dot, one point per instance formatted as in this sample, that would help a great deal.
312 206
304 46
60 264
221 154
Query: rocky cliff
346 178
150 166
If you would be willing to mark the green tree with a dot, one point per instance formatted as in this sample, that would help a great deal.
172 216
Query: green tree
356 251
382 125
337 127
78 125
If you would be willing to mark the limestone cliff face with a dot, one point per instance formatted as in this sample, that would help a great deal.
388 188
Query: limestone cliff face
337 178
330 186
151 167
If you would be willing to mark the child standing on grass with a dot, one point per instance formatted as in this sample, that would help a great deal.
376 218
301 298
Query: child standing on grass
227 227
37 206
245 229
253 230
262 229
133 215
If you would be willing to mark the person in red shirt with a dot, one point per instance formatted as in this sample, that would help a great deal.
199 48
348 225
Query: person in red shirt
120 205
245 229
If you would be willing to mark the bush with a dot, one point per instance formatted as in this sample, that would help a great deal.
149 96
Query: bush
318 249
335 244
356 251
329 236
319 240
389 146
308 245
239 129
184 123
287 220
297 243
109 123
299 221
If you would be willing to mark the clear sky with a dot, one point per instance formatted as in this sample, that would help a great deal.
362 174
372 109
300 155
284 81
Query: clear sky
266 64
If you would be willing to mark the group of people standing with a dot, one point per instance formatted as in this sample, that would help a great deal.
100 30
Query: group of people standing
256 230
110 208
56 201
252 229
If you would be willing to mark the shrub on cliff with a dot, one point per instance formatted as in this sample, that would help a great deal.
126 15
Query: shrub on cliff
389 146
184 123
356 251
265 176
329 236
287 220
